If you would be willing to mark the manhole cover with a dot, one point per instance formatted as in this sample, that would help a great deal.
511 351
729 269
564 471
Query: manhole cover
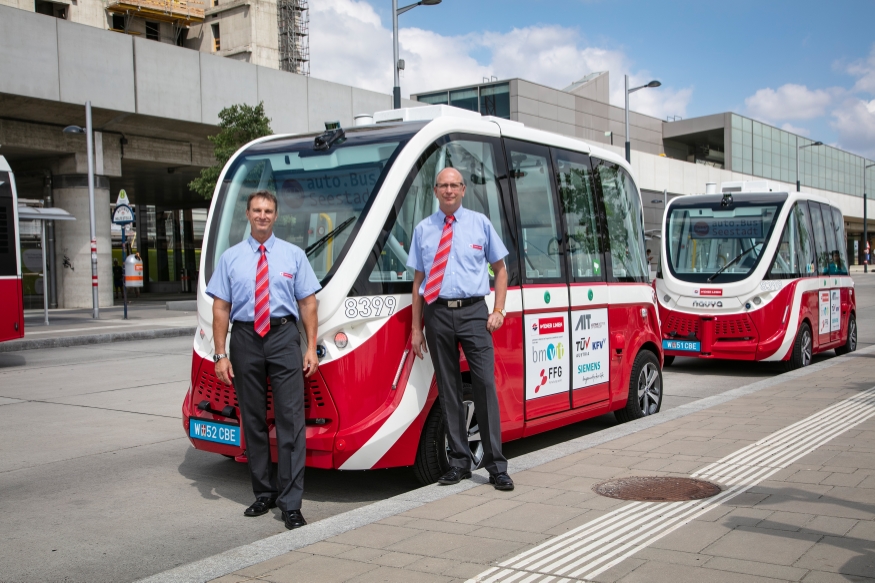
656 489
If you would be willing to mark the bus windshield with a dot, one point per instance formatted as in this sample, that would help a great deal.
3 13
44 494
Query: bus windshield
322 195
708 242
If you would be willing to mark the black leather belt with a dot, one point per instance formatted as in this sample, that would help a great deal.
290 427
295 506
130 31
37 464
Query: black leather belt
274 322
458 303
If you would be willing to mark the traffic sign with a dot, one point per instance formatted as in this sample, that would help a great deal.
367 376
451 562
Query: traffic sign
123 213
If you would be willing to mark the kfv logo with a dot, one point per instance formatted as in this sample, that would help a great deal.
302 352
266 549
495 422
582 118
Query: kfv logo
582 322
598 344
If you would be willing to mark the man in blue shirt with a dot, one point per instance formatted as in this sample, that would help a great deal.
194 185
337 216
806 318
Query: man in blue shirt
264 285
455 247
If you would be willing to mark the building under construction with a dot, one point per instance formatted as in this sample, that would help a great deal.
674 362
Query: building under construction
270 33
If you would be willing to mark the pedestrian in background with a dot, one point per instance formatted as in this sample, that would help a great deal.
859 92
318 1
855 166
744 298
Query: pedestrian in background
263 285
455 246
118 276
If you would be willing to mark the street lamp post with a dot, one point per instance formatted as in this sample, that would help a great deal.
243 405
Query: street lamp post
89 143
628 91
396 12
865 218
798 173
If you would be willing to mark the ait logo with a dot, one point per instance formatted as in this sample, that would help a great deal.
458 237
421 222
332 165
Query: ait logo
543 380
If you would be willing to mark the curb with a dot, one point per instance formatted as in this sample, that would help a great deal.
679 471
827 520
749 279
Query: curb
224 563
65 341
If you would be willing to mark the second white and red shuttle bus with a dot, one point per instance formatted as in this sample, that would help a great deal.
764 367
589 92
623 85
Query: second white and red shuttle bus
581 333
755 276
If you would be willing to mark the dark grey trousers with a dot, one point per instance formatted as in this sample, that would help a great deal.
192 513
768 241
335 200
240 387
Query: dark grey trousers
278 356
445 329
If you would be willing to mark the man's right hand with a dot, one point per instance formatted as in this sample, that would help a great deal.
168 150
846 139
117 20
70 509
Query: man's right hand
418 342
225 371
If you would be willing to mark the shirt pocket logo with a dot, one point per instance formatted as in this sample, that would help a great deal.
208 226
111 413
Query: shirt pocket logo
289 275
477 247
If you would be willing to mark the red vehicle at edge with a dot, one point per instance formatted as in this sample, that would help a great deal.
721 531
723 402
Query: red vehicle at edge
11 306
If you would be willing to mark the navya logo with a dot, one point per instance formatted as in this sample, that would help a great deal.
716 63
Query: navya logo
589 367
552 352
707 304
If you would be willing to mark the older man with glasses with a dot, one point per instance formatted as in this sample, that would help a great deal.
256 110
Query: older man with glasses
455 247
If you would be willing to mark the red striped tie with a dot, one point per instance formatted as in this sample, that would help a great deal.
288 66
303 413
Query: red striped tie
436 276
262 294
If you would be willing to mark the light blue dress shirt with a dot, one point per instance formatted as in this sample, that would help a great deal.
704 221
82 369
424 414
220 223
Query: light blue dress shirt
291 278
475 246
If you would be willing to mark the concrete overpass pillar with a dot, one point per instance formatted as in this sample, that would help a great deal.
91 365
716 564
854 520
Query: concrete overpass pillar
73 241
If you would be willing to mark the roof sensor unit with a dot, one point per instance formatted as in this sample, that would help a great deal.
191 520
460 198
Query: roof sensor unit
334 134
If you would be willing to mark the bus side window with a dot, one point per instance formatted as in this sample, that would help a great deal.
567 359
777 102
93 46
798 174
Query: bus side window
820 245
623 221
805 249
785 265
839 226
476 160
582 215
540 236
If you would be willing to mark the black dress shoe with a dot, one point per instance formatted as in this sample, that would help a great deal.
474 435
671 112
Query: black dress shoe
294 519
454 476
501 481
261 506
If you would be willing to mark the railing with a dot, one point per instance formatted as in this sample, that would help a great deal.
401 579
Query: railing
183 9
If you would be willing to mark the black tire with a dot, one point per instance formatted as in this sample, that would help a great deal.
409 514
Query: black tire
432 461
851 343
803 348
645 388
667 361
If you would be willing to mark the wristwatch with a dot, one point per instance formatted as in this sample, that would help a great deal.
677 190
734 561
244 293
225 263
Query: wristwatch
502 312
218 357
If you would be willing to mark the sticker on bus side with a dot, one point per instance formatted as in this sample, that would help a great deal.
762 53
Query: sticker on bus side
590 363
546 354
370 306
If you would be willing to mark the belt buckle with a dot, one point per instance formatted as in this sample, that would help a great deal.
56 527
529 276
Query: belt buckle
454 303
283 321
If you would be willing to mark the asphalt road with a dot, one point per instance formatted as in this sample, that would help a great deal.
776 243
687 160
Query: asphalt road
99 483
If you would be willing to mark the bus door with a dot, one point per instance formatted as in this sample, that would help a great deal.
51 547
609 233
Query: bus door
835 267
546 325
583 223
824 293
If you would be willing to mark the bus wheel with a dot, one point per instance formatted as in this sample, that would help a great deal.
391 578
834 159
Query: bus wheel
667 361
802 348
432 460
645 388
851 343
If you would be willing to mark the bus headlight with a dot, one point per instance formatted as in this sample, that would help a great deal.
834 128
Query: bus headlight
341 340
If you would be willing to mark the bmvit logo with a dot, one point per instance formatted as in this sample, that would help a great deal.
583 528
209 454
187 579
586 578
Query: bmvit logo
552 352
707 304
549 326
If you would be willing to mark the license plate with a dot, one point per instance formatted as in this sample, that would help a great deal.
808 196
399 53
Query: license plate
684 345
226 433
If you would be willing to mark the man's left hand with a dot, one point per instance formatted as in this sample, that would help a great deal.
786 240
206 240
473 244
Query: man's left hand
494 322
311 362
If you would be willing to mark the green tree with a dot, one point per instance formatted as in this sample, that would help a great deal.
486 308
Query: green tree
238 125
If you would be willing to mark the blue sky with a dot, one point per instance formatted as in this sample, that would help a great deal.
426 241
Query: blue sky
806 66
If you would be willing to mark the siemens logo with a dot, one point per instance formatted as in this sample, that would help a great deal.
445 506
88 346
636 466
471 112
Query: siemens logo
707 304
589 367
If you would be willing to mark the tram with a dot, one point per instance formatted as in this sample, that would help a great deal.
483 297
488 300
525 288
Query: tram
752 274
11 298
581 336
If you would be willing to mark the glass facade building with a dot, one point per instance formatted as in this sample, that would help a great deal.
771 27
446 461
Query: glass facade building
761 150
491 99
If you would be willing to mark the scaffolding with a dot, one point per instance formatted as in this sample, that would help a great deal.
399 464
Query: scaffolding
181 13
294 40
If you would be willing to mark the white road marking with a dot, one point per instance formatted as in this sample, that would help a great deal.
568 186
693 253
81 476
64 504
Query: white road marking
594 547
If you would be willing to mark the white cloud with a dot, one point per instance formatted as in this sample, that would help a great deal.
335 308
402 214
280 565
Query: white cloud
855 123
790 101
864 70
795 130
349 44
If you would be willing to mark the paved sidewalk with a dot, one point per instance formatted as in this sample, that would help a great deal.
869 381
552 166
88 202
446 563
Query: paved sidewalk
75 327
795 456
